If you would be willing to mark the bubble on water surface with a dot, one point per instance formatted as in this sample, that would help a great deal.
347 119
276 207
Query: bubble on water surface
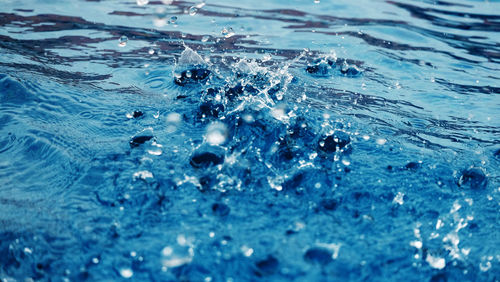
122 42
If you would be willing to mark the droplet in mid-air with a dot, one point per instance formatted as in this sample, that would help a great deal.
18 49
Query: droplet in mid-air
160 18
193 10
122 42
227 32
142 2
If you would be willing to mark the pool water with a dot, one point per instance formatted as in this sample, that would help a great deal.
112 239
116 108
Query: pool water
250 140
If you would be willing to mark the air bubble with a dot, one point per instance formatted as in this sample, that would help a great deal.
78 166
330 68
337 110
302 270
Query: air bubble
173 19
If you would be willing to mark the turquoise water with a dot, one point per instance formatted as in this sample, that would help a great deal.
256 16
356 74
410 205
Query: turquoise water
249 140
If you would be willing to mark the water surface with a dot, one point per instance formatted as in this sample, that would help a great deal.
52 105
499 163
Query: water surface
256 140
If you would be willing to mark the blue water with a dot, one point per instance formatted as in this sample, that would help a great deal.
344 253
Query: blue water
249 140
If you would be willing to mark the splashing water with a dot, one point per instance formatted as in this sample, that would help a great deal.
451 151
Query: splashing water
301 141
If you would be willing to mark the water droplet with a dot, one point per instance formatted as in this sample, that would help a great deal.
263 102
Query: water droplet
122 42
159 22
173 19
205 38
316 1
151 51
142 2
126 272
193 10
227 32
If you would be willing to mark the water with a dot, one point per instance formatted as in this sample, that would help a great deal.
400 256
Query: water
274 140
